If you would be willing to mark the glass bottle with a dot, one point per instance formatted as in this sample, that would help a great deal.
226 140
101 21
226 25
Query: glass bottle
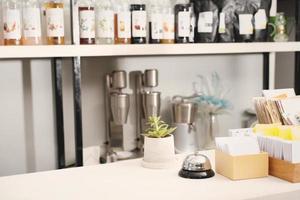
12 33
104 22
87 26
139 23
32 31
155 23
182 22
168 23
271 21
280 23
192 24
122 22
54 10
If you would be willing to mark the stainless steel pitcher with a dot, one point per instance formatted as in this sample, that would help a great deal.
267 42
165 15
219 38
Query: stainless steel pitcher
184 112
119 103
151 104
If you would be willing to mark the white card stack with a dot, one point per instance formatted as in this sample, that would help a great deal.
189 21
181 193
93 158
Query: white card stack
279 148
236 146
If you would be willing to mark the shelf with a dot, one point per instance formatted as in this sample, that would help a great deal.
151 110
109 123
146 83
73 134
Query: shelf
144 50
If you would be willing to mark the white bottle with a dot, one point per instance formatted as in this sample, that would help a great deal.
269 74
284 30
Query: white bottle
12 24
104 22
32 31
155 22
168 23
122 22
86 10
55 24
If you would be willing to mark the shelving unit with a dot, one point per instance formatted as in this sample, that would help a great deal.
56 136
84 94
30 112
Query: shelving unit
57 53
47 51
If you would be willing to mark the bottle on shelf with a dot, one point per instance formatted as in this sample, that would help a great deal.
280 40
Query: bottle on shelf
122 22
12 28
54 10
155 22
32 31
139 23
182 21
281 32
168 23
87 26
104 22
192 23
271 22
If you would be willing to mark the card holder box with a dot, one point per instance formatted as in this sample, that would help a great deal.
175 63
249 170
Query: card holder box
284 170
242 167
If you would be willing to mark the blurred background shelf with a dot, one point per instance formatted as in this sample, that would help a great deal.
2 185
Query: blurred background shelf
46 51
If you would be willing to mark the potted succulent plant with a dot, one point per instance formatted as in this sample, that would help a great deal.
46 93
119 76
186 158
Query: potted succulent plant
159 151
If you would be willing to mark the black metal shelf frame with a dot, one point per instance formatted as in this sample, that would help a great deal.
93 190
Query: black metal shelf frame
297 54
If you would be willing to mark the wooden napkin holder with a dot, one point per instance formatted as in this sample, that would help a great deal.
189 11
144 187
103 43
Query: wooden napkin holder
242 167
284 170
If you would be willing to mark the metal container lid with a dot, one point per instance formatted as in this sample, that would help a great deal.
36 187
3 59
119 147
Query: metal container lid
151 78
196 163
184 110
119 79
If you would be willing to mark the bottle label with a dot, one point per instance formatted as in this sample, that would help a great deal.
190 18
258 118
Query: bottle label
32 22
55 22
124 22
192 28
246 26
156 26
184 22
105 24
222 25
12 24
205 22
260 19
87 24
168 27
139 21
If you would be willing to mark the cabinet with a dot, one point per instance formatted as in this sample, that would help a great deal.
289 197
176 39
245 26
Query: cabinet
76 52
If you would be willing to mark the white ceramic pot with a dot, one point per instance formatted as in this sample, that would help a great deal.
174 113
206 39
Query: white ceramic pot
159 153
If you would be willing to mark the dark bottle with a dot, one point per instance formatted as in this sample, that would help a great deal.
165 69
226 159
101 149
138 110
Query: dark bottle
138 23
244 25
192 24
182 23
155 24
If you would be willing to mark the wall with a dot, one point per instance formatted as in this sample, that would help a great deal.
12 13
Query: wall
27 128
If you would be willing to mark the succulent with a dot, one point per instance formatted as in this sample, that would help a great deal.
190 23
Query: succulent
158 128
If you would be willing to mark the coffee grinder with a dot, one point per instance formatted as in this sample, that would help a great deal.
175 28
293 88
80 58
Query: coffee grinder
184 114
117 106
148 102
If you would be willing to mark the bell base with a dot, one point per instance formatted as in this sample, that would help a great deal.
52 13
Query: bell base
196 175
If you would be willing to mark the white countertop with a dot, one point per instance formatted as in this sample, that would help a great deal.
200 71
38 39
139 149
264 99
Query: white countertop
128 180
